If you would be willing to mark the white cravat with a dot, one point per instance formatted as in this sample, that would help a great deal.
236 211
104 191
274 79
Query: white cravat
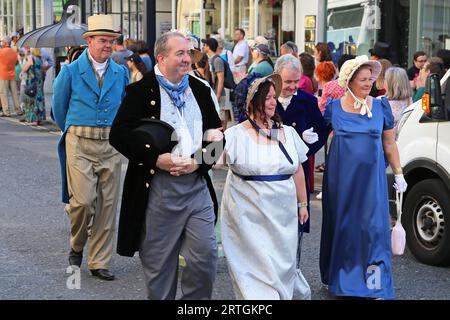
286 101
99 67
361 104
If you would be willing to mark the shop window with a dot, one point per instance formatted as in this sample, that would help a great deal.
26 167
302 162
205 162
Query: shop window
242 15
352 29
188 16
276 22
310 34
435 26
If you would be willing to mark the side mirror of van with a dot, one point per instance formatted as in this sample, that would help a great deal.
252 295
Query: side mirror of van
432 103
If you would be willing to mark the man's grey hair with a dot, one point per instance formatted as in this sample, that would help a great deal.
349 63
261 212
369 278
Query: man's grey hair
291 46
161 44
398 87
288 61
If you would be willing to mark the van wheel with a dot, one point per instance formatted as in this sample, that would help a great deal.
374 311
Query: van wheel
426 217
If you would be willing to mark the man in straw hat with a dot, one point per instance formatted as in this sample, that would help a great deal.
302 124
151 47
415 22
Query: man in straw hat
87 95
168 204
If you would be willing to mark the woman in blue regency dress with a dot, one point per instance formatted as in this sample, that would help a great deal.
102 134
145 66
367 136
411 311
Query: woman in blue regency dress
355 250
263 199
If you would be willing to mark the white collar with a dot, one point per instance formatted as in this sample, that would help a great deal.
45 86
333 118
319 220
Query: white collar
286 101
97 65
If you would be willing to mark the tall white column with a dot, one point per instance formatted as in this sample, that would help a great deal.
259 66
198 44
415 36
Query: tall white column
2 31
24 15
174 14
222 19
256 32
47 11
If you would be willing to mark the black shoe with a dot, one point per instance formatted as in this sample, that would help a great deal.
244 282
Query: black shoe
75 258
103 274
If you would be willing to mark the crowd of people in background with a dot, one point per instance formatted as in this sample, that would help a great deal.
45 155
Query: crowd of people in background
294 105
22 77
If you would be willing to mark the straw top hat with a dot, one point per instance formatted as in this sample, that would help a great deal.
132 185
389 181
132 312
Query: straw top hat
349 68
275 78
101 24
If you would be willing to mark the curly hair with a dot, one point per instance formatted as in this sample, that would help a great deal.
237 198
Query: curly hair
258 103
325 71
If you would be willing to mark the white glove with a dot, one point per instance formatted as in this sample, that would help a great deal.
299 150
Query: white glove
309 136
400 183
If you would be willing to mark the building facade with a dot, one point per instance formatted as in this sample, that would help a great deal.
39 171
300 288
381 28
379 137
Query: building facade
353 26
277 20
130 16
349 26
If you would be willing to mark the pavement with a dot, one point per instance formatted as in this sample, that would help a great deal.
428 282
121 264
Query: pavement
34 235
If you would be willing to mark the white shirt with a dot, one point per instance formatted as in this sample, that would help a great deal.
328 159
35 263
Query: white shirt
286 101
188 125
241 50
99 67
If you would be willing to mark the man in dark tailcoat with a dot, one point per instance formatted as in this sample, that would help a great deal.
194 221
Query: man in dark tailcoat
169 204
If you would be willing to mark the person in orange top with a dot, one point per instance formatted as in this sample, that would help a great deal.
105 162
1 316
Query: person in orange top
8 60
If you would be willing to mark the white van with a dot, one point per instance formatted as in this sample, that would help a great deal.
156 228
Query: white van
423 139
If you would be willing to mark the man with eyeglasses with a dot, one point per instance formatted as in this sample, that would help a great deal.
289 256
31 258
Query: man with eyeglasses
86 97
419 60
289 47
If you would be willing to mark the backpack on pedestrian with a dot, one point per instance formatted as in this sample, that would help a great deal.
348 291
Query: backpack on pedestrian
228 75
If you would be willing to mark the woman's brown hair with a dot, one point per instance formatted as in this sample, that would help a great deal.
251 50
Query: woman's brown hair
204 64
258 103
324 51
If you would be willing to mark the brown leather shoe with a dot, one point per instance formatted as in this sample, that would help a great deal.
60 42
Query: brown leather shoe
103 274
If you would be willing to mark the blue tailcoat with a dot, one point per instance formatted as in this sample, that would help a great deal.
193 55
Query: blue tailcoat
79 100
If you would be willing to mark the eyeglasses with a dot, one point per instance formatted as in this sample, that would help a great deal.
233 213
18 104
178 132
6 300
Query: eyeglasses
104 41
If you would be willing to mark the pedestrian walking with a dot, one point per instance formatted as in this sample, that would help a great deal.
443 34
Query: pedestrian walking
136 66
398 91
217 65
34 74
262 63
168 204
241 54
86 96
8 86
419 60
307 81
120 52
355 249
300 110
325 73
264 199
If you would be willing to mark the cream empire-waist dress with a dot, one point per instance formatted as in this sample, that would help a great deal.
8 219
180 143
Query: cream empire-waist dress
259 219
